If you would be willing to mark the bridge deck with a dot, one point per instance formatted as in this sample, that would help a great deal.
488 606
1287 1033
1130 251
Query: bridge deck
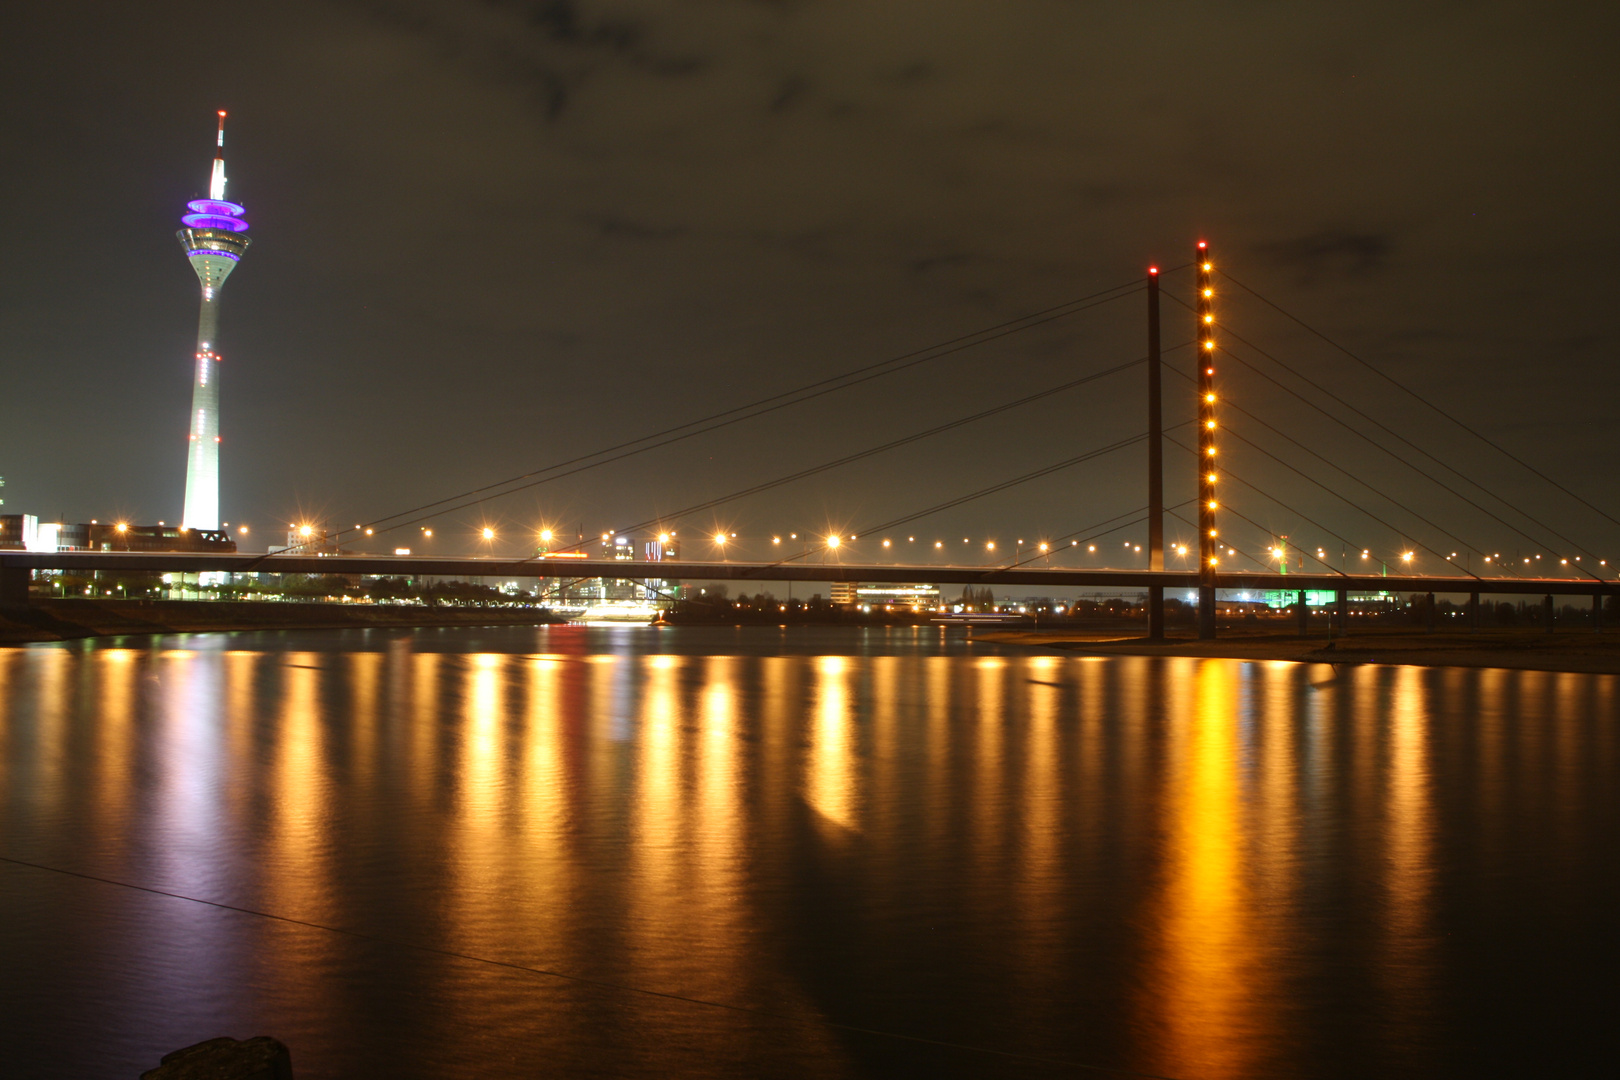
421 565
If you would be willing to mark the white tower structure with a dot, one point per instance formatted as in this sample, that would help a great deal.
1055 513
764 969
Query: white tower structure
214 239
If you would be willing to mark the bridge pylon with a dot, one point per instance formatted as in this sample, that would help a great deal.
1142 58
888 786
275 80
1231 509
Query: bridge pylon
1155 521
1209 559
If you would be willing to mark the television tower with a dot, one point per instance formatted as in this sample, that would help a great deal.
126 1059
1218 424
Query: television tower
214 238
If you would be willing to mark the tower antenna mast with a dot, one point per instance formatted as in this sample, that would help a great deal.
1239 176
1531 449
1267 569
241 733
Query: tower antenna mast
216 182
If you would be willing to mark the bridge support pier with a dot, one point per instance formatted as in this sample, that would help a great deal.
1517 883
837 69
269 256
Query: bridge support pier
1597 613
1473 611
1304 616
1547 612
1431 614
1206 613
1155 612
1341 600
14 587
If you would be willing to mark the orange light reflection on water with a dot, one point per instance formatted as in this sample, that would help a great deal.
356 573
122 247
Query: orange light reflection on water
1204 990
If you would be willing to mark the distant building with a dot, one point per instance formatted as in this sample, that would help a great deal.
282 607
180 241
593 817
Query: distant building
118 536
1283 598
853 594
25 532
306 540
599 592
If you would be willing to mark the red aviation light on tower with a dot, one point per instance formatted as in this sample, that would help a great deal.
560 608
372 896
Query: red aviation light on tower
1154 271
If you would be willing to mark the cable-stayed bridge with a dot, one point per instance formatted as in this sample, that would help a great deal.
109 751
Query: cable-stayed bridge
1237 529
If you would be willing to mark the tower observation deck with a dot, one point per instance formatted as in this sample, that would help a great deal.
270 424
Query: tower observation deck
214 238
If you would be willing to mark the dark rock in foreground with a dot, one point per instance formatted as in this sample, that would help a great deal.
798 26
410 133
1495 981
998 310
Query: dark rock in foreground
261 1058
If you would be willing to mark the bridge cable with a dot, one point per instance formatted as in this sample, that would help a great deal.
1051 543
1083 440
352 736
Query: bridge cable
1136 517
1336 495
1421 472
1324 528
1095 536
1403 461
763 406
1267 495
1363 483
1391 379
1229 547
1331 491
1014 482
981 493
871 451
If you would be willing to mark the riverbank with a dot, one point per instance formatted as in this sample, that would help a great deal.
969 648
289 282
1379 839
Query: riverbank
1533 650
66 620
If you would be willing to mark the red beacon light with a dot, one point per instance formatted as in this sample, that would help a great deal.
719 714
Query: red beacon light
1153 270
1202 244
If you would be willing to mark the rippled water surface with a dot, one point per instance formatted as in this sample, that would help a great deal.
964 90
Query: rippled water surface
733 853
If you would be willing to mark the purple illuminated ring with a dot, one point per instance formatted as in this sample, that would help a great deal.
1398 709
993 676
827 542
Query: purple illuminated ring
214 221
215 206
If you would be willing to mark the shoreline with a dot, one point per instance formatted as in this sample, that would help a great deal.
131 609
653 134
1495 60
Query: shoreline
52 620
1576 651
1579 651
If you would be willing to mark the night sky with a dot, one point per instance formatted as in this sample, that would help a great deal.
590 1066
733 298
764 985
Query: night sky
491 236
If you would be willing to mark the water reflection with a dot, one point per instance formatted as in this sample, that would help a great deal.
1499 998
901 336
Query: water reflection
1206 996
830 779
1185 867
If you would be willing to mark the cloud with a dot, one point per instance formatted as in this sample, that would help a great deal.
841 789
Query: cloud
1333 253
611 225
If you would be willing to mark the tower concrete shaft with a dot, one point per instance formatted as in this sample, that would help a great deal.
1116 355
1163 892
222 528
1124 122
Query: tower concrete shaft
214 240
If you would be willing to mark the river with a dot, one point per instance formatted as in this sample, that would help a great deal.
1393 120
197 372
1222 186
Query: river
807 852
